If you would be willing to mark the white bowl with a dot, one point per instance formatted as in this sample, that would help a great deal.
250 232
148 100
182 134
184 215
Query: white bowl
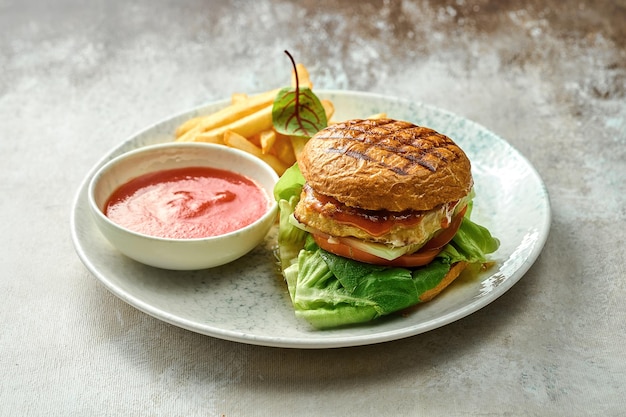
181 254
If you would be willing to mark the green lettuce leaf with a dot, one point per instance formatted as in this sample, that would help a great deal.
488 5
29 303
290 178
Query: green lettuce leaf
290 238
429 276
289 184
472 243
321 299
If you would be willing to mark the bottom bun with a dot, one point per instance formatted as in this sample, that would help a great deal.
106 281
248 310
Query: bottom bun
454 272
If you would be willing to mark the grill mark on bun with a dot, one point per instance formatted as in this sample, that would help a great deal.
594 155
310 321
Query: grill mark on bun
347 152
365 157
414 144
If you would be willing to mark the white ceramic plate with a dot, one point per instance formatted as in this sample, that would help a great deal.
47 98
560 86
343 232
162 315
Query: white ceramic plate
247 301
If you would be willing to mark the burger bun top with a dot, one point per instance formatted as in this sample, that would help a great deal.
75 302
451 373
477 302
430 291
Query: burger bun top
385 164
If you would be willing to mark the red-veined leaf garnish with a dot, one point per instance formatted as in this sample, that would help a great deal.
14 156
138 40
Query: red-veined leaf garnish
297 111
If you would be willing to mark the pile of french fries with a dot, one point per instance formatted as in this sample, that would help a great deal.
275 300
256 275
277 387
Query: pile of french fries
246 124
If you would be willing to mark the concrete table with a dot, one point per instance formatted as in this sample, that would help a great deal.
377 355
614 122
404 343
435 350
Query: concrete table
77 78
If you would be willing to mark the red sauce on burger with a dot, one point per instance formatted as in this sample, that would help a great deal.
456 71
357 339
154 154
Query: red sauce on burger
376 223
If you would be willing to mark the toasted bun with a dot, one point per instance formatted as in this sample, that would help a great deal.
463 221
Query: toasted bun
383 164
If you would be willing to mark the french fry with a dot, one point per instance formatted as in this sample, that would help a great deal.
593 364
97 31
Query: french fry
238 141
303 77
255 139
188 125
229 114
245 126
284 150
329 108
297 143
267 138
238 98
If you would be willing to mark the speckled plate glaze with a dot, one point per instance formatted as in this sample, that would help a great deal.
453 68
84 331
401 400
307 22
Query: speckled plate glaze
246 301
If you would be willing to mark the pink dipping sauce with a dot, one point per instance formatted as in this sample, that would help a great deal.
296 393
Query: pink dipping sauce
187 203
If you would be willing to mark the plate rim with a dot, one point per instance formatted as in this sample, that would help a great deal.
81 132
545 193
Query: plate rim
325 342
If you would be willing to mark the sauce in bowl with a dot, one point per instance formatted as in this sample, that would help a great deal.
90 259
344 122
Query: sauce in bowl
187 203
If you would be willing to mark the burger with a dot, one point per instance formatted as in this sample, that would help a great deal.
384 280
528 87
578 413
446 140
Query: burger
375 218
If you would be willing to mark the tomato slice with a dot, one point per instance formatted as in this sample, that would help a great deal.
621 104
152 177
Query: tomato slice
341 249
422 257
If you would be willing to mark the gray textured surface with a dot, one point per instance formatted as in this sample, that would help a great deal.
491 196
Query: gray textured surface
77 78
